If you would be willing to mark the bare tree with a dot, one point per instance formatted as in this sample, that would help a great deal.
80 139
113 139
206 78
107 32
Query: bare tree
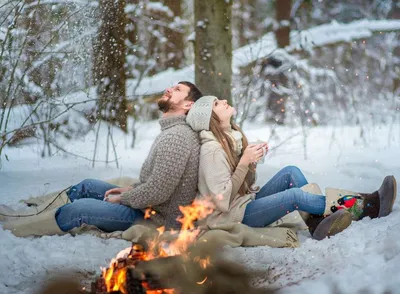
213 47
174 48
109 64
276 101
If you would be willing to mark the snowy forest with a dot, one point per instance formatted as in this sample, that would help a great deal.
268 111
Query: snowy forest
319 80
69 66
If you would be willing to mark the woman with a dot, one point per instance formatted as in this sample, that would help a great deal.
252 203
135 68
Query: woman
227 174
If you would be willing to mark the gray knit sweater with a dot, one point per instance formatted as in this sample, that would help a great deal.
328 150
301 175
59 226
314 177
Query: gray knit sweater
169 175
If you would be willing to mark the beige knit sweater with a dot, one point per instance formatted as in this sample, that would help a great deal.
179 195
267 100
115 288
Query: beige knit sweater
217 181
168 177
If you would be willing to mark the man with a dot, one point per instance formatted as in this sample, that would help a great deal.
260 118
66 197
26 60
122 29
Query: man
168 179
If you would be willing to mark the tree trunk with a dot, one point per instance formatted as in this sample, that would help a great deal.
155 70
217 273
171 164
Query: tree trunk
395 14
276 101
174 48
213 47
109 64
282 33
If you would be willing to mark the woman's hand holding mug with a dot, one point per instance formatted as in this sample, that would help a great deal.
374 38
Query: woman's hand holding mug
254 152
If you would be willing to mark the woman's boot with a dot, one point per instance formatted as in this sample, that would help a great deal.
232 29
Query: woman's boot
321 227
376 204
58 199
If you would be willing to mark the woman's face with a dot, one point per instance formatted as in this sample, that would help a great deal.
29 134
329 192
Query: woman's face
223 110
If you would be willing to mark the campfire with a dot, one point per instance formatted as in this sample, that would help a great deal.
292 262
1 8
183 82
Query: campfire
159 265
173 264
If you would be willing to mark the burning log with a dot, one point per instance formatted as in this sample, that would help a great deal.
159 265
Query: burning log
200 272
180 265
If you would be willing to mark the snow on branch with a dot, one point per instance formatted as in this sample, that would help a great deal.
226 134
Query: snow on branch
63 2
318 36
61 46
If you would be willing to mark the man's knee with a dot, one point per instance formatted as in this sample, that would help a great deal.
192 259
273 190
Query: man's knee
80 207
87 182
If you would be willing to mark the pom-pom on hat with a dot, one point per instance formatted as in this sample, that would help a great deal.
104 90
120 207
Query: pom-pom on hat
199 115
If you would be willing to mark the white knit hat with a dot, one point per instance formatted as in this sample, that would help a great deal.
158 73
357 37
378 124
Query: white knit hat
199 115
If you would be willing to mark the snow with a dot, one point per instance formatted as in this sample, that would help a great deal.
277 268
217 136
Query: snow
2 34
314 37
365 256
317 36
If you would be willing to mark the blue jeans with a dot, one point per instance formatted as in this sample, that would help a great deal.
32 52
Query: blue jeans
88 207
280 196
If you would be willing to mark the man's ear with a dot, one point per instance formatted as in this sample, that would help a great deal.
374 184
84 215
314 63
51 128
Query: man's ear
187 105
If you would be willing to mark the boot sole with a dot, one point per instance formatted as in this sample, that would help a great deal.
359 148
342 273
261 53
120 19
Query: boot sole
330 227
390 208
395 194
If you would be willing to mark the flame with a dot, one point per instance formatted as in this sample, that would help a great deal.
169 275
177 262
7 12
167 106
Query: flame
115 278
115 275
147 213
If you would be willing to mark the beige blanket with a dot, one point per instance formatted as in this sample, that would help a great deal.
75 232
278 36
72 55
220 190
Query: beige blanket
282 233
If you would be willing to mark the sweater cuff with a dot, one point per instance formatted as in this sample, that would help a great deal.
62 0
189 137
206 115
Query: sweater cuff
125 199
134 185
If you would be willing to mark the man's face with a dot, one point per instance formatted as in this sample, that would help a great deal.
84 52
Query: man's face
174 98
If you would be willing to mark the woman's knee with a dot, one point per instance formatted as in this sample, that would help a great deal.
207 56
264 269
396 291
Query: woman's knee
292 169
297 175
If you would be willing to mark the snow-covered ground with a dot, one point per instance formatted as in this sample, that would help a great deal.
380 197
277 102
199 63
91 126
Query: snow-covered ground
365 256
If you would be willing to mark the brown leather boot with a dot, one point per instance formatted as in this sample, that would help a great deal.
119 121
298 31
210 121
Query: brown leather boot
375 204
380 203
321 227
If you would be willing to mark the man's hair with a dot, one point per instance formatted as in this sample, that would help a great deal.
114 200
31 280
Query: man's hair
194 93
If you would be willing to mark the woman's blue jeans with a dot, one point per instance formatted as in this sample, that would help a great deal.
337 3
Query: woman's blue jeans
88 207
280 196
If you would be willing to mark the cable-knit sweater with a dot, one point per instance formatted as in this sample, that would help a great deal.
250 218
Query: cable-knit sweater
220 183
169 175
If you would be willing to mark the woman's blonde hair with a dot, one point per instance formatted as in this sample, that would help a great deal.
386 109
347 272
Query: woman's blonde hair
229 147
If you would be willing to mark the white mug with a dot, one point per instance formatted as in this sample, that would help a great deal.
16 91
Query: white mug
262 159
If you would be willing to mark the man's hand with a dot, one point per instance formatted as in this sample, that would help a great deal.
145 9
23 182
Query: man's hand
117 191
113 199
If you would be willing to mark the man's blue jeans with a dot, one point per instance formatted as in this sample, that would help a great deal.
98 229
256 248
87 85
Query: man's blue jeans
88 207
281 195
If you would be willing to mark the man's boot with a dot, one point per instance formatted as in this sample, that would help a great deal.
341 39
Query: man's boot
58 199
321 227
376 204
42 224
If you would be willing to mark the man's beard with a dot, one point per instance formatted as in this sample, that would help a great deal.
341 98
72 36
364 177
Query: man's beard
165 105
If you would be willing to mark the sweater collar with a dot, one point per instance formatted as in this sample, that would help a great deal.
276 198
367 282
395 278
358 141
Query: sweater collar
168 122
237 140
236 136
